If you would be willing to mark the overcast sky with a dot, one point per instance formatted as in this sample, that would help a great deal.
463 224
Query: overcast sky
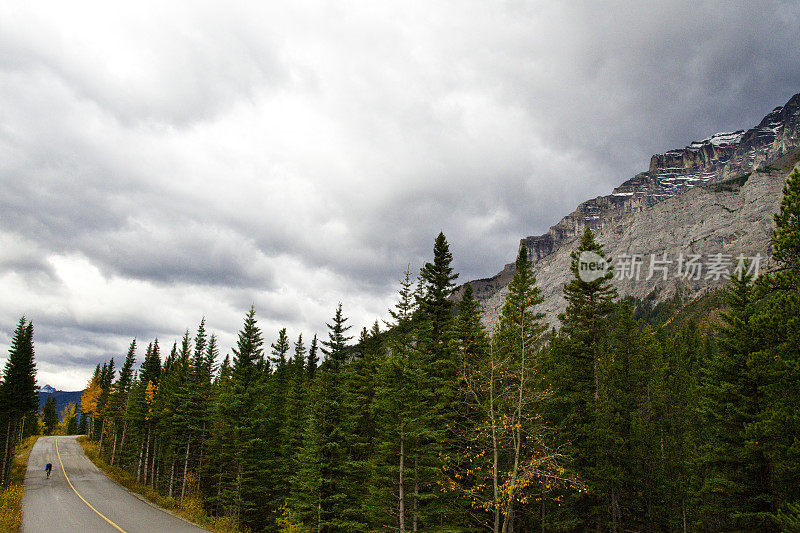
165 161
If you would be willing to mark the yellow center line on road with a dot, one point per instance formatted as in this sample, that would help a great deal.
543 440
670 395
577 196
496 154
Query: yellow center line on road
115 526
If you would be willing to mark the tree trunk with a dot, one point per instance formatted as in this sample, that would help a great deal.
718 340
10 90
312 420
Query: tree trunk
401 504
185 469
516 433
5 467
114 446
122 441
542 516
202 453
156 463
102 433
239 491
146 477
139 467
416 493
319 512
615 525
683 509
172 477
495 451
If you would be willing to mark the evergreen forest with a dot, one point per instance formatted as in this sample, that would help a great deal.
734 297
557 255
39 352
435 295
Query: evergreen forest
430 422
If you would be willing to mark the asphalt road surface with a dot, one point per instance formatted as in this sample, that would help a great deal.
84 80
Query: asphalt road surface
91 503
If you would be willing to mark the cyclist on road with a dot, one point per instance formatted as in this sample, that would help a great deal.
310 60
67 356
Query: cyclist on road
48 469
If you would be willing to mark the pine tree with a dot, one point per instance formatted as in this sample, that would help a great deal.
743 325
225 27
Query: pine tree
280 348
241 411
321 500
571 372
30 426
391 484
82 426
248 354
335 348
464 474
49 415
359 428
141 415
118 399
313 361
276 478
624 431
18 395
329 416
305 497
736 473
674 389
151 367
72 425
432 431
296 407
778 360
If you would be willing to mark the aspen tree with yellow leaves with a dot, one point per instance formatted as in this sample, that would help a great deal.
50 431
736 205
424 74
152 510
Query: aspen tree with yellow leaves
90 399
506 454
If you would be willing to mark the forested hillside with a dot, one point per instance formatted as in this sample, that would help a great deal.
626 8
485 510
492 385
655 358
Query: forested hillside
431 423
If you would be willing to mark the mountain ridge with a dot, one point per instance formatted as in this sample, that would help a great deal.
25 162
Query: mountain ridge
63 398
717 159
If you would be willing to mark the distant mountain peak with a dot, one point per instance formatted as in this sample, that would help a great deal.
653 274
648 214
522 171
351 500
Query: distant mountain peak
48 389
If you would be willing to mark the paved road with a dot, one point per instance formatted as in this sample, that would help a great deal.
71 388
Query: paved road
52 506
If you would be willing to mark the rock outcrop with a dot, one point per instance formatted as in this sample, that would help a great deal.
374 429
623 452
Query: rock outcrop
732 218
699 179
718 158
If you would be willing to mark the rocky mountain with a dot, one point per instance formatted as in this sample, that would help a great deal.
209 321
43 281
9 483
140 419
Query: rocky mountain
62 398
713 196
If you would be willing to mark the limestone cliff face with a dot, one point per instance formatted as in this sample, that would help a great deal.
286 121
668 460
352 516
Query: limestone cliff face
728 218
718 158
679 184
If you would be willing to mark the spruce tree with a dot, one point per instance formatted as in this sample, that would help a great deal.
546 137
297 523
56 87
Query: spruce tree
296 408
624 429
330 396
464 473
359 428
72 425
118 399
280 348
82 427
49 415
18 388
18 395
248 354
778 360
432 432
391 480
313 360
243 411
736 473
324 453
674 390
151 367
571 372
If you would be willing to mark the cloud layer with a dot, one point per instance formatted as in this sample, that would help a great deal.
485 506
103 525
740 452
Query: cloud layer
160 163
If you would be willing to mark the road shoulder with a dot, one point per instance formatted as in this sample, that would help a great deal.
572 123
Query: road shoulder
146 493
11 497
